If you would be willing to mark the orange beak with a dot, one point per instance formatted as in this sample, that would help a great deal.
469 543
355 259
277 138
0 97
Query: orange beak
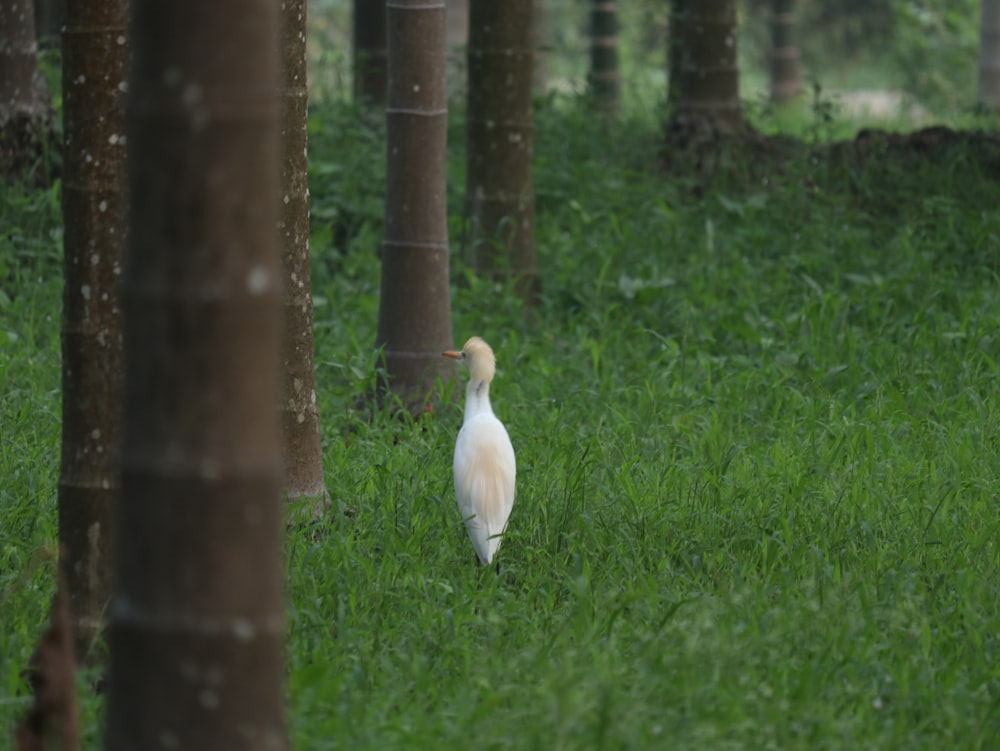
452 354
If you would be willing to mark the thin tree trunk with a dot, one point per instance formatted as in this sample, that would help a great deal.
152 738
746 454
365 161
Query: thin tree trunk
604 82
540 45
25 104
50 15
458 38
93 188
370 59
707 100
989 55
500 200
303 457
196 624
414 318
675 52
22 88
785 79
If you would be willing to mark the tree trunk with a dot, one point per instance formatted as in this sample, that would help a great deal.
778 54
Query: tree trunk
675 52
540 46
25 105
785 79
196 621
458 38
370 61
414 317
989 55
499 197
93 187
303 457
604 83
707 100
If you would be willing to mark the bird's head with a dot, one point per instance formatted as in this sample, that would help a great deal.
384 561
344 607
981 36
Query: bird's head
478 357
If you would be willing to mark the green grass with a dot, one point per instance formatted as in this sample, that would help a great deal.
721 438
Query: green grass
758 440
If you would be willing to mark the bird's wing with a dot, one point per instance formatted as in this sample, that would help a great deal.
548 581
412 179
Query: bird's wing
485 477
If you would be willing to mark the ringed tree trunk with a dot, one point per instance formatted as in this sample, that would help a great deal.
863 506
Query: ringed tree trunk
707 98
604 81
369 49
25 105
786 81
414 317
989 56
303 456
93 191
196 620
499 196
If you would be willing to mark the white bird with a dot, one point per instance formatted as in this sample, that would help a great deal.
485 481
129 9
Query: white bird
484 466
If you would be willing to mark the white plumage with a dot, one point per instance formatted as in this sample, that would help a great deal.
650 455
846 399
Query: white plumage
485 469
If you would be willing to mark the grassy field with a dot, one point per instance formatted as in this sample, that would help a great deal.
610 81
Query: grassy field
758 436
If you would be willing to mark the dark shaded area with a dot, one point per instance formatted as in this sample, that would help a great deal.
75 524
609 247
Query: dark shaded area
28 142
709 159
923 143
370 53
50 15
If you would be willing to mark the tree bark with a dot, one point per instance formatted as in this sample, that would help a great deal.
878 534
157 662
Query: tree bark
303 457
499 197
989 55
196 622
25 104
705 70
604 82
93 187
371 77
414 319
785 78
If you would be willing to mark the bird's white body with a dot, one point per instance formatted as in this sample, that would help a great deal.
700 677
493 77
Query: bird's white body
485 469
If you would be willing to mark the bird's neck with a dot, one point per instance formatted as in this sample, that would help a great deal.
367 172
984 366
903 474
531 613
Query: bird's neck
477 399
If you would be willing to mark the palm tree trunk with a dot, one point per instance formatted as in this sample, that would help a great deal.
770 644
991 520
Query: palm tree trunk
499 195
197 616
414 317
989 55
370 59
704 67
304 481
93 204
604 82
785 79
